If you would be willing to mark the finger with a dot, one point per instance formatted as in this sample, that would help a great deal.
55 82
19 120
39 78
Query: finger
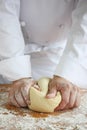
52 92
25 94
37 87
65 92
78 99
72 98
19 98
12 99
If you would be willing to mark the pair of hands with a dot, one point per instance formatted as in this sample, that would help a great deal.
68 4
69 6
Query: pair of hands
71 95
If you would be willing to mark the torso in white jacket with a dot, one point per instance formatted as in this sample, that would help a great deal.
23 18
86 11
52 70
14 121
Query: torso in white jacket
45 25
46 22
40 29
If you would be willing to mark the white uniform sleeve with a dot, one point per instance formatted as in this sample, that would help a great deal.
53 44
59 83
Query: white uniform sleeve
73 63
13 63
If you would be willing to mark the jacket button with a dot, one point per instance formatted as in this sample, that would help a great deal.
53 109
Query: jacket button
61 26
23 24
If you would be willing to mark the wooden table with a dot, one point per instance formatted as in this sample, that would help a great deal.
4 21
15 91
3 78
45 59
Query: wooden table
12 118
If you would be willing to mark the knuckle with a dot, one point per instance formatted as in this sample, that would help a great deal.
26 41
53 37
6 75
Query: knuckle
74 88
77 104
51 87
65 101
65 87
71 105
68 86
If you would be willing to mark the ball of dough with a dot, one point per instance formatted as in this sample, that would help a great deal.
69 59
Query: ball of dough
38 99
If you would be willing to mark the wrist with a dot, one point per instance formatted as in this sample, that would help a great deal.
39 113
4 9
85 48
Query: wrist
61 79
23 79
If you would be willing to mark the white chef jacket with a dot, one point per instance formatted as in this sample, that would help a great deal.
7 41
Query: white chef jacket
42 38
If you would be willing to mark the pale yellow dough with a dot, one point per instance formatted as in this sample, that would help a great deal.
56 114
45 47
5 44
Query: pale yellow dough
38 99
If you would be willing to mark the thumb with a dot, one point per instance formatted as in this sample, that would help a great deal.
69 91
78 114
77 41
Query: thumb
51 92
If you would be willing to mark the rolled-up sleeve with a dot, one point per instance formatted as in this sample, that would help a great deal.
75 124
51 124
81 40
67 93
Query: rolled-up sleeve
73 63
13 63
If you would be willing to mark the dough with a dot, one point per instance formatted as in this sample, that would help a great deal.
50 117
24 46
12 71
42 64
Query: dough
38 100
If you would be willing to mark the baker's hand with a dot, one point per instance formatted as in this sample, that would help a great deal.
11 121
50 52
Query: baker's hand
19 92
70 93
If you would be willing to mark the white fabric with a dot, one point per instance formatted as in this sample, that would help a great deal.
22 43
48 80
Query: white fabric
45 28
44 62
73 63
46 21
16 68
13 63
45 25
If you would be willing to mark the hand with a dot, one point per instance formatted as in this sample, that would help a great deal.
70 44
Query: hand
19 93
70 93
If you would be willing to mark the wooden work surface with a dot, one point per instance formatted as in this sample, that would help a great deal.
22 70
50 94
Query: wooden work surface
12 118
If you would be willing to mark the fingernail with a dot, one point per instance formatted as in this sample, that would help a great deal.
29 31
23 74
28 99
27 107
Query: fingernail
52 95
